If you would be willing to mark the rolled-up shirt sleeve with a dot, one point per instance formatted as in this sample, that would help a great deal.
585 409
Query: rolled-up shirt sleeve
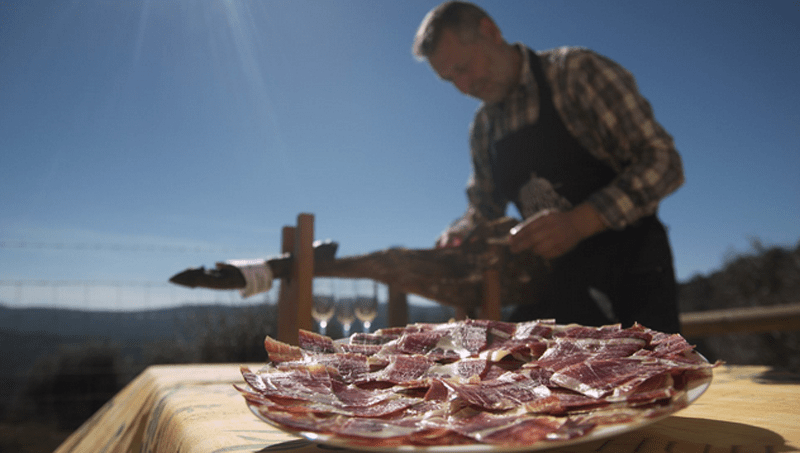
483 201
605 111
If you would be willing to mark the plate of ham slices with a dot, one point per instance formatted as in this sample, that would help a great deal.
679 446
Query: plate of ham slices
474 385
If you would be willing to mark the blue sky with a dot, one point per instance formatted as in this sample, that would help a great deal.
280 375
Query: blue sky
133 132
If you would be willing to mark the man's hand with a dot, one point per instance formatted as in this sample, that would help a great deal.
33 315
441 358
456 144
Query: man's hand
551 234
447 240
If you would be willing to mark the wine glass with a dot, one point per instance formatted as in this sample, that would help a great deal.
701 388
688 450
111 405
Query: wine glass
322 311
345 314
366 308
323 305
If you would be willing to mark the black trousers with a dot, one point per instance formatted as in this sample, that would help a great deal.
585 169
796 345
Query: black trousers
622 277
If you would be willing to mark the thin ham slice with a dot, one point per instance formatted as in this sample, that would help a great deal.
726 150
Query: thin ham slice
600 377
506 392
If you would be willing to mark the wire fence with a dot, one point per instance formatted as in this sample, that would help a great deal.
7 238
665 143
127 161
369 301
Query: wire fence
131 295
141 295
109 294
114 294
116 247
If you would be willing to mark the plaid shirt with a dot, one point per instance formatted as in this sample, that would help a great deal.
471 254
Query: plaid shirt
602 108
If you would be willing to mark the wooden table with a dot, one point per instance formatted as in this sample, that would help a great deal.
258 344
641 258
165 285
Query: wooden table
195 409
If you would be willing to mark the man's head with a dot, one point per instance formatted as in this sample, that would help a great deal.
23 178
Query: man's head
461 17
465 47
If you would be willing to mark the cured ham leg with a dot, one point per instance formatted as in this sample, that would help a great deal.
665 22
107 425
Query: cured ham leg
452 276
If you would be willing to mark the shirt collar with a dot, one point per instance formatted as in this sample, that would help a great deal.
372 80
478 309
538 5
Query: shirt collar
526 79
526 86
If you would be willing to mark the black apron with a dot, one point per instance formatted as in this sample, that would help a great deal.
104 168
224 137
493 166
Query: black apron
616 276
548 150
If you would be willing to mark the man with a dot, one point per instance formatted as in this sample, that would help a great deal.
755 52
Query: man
566 137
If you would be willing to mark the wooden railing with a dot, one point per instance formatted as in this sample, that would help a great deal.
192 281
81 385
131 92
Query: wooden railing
741 320
294 302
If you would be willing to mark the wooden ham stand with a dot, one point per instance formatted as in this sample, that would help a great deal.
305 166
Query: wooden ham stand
295 298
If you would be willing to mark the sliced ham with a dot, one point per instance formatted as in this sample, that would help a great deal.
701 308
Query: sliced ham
473 381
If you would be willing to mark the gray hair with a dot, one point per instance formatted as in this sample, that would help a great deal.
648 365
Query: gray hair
461 17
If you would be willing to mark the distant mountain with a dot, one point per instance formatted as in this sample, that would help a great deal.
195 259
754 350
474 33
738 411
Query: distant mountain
126 326
27 333
122 326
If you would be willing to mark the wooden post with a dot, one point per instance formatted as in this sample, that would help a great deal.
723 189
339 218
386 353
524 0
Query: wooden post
287 312
303 271
460 314
397 315
491 308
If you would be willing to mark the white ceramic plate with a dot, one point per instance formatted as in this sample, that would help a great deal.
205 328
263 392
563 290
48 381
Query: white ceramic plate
695 390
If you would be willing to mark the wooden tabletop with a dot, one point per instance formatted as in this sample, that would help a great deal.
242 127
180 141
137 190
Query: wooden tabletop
195 409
